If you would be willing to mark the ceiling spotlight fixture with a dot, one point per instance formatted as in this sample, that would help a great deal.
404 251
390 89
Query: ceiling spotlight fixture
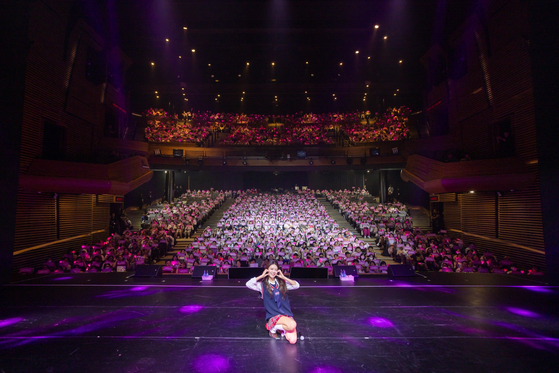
376 26
248 63
369 57
273 63
153 64
185 28
209 64
341 63
166 39
156 92
386 37
356 52
180 56
307 62
400 61
194 50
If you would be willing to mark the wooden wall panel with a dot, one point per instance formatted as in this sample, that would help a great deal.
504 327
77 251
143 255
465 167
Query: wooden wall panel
452 215
75 214
35 220
478 213
520 219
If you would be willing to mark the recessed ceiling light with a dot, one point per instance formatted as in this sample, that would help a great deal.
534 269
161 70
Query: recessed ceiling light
376 26
194 50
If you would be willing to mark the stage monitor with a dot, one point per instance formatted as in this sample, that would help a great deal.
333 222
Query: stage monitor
308 272
199 271
349 270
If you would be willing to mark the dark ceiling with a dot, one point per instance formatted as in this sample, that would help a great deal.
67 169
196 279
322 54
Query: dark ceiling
312 45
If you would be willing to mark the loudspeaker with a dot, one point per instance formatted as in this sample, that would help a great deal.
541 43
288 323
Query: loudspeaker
244 272
349 270
146 271
400 270
199 271
304 272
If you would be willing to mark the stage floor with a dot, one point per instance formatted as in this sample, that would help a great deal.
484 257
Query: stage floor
446 322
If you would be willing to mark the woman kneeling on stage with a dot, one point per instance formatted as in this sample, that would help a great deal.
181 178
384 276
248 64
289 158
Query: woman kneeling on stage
273 291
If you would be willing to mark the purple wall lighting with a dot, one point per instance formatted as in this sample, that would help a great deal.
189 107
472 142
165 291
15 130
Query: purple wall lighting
8 322
379 322
521 312
211 363
193 308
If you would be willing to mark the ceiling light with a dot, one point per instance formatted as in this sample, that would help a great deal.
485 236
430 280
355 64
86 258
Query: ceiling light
194 50
341 63
209 64
356 52
180 56
166 39
156 92
248 63
400 61
185 28
307 62
153 64
386 37
273 63
369 57
376 26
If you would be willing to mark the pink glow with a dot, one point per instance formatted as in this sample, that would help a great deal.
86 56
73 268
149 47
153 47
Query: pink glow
522 312
379 322
191 309
9 322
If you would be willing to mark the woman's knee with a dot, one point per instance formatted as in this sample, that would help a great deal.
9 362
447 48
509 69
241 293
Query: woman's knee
290 324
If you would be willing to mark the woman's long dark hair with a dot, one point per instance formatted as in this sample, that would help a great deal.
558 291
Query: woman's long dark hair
281 283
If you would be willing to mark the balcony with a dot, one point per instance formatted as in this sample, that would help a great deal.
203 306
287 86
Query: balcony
117 178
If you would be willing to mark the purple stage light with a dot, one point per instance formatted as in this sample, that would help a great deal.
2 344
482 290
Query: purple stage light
537 289
521 312
63 278
211 363
325 369
8 322
139 288
191 309
379 322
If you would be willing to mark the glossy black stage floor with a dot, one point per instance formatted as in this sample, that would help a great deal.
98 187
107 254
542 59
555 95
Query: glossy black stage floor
446 322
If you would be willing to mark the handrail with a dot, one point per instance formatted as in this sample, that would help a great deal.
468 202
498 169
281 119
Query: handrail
496 240
55 242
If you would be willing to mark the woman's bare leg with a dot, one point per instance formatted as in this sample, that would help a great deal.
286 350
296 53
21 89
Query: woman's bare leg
290 328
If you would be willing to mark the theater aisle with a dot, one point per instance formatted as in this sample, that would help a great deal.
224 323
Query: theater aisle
344 224
211 222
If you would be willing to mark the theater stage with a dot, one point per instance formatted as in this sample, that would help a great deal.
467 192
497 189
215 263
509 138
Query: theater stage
447 322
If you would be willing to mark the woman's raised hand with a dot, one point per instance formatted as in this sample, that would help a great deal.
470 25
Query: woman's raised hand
264 274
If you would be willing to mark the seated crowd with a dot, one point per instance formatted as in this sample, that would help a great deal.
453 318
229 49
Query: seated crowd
293 229
123 251
394 234
298 129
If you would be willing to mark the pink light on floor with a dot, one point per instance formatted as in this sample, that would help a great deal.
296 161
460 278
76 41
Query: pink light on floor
522 312
191 309
379 322
8 322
